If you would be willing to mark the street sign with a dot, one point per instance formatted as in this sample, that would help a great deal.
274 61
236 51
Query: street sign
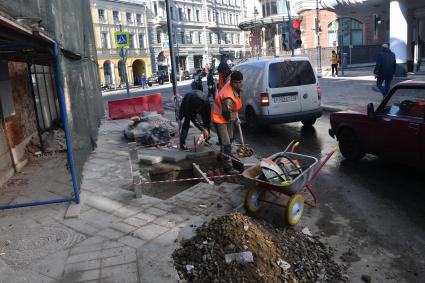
165 45
122 39
167 53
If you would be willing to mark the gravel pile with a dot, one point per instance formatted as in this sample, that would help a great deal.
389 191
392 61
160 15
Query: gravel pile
279 255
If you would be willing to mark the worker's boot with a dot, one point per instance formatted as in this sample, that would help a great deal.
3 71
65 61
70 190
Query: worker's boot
228 165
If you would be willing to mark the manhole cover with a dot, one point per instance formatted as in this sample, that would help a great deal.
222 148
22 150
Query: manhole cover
22 245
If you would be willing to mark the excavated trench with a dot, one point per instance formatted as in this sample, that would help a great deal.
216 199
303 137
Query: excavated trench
172 173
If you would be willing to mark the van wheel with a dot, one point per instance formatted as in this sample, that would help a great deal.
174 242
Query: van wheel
350 146
251 120
309 122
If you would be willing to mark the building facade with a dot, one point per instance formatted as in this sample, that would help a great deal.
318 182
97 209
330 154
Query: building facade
356 27
110 16
203 30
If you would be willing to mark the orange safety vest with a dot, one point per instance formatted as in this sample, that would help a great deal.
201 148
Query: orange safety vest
217 107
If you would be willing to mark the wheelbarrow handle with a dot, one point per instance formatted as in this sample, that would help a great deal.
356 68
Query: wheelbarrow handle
322 163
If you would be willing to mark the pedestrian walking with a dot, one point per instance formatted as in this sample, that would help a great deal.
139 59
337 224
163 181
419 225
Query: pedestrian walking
143 80
334 63
211 84
385 69
224 114
194 104
223 72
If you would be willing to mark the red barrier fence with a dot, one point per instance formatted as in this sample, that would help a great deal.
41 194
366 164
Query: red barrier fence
129 107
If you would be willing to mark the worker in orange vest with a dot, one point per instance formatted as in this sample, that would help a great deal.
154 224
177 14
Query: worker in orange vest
224 114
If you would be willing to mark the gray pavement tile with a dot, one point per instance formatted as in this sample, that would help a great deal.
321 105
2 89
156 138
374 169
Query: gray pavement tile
169 221
81 276
165 206
146 216
111 233
155 211
51 265
78 249
83 265
150 231
124 227
81 226
111 244
134 221
91 241
132 241
84 256
119 259
127 211
99 218
124 273
102 203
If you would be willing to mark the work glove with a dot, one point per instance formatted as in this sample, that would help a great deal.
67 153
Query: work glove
205 133
238 122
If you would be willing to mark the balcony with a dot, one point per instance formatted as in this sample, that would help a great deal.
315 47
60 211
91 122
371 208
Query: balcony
159 21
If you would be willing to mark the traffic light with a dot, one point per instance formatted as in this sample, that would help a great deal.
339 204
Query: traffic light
296 34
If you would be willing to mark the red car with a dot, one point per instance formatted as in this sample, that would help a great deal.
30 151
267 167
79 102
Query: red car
395 130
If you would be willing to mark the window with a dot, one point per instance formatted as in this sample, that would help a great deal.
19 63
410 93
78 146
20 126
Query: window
158 36
116 17
139 19
273 8
197 16
408 102
132 41
345 31
155 9
231 19
190 38
199 37
101 15
224 18
237 19
180 14
210 38
104 39
290 73
141 40
128 18
183 40
236 38
209 15
189 15
172 13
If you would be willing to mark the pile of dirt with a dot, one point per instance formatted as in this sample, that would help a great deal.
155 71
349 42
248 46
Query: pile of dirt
279 255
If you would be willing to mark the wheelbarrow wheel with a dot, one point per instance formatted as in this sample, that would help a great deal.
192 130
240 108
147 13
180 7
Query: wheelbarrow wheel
253 199
294 209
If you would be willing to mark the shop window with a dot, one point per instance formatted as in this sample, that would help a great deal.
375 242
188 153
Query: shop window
6 95
347 31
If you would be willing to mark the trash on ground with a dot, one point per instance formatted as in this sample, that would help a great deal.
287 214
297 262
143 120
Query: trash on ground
189 268
283 264
306 232
239 257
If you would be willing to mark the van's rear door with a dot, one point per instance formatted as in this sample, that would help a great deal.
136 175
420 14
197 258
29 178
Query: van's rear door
289 82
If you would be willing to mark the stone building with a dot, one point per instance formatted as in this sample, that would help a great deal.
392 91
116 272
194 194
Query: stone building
110 16
203 30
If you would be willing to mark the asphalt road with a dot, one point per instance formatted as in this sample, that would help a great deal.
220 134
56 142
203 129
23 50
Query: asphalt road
370 212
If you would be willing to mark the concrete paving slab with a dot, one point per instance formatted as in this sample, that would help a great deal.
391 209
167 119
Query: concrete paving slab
150 231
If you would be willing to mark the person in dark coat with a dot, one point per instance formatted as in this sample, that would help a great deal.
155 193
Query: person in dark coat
211 83
223 71
385 69
194 103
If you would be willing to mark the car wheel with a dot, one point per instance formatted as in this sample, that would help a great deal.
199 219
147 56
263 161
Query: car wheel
309 122
251 120
149 84
350 146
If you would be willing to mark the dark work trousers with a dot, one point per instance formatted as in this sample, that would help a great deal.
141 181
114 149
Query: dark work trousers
225 138
335 67
384 90
184 131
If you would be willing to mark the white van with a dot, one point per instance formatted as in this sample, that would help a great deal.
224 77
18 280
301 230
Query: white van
279 90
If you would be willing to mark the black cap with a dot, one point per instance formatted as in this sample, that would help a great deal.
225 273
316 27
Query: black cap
236 76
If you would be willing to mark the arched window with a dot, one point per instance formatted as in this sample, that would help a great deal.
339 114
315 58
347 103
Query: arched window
346 30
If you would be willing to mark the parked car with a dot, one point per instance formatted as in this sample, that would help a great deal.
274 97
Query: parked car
395 130
159 77
279 90
187 75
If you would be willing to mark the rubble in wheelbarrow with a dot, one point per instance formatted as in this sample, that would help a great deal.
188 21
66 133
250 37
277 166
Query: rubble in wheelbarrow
150 129
279 254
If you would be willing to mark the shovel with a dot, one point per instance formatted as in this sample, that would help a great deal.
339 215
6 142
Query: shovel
243 151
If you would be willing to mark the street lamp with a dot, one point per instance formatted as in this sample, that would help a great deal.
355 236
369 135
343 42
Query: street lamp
254 32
